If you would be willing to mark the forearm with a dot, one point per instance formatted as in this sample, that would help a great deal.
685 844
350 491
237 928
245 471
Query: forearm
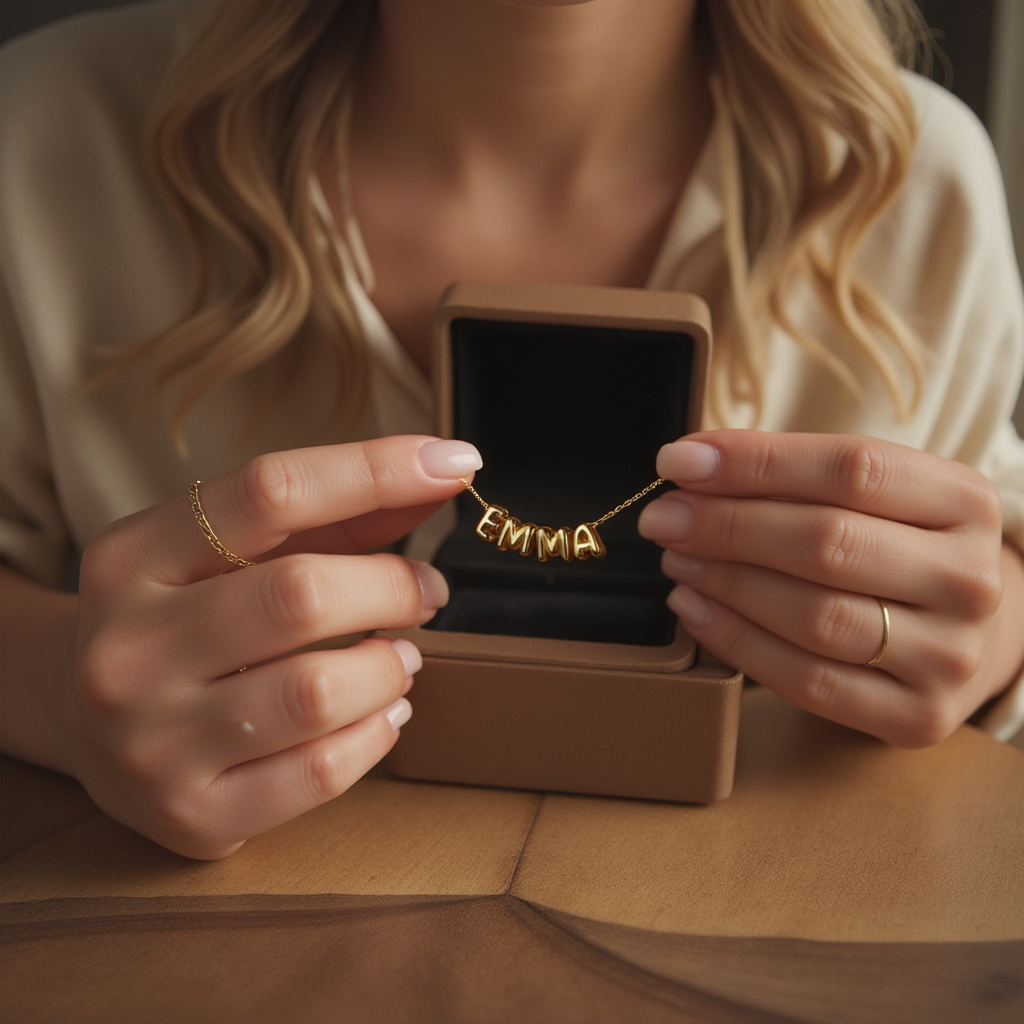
37 659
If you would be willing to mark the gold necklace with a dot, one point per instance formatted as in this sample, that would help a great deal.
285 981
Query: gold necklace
497 526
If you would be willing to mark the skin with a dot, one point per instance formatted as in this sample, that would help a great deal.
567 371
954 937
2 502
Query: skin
502 140
780 544
134 685
487 139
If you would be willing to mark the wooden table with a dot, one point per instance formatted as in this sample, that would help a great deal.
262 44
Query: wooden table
844 881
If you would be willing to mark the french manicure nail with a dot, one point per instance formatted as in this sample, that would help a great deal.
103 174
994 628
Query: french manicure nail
668 520
399 713
433 586
694 609
410 655
689 462
448 460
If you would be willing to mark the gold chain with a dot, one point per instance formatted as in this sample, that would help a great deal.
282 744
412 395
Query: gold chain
472 490
629 501
597 522
197 511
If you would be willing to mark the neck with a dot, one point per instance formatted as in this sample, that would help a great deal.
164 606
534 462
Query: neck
460 87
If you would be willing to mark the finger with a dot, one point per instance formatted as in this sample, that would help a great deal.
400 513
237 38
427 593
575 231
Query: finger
863 474
257 795
831 623
867 699
272 707
254 509
833 547
363 533
278 606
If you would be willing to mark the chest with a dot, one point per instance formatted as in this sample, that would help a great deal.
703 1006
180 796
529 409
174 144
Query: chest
419 240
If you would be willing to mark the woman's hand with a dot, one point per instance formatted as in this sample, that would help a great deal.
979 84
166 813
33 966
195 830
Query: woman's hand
783 545
165 729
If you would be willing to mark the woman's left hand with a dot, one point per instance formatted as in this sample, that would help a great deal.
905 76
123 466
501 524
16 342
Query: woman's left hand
784 546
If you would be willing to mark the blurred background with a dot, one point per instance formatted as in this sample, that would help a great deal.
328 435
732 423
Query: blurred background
980 44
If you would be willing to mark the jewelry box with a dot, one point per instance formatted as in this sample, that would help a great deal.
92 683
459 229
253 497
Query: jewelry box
548 671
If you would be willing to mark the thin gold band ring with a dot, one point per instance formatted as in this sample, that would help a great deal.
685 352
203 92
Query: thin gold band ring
885 635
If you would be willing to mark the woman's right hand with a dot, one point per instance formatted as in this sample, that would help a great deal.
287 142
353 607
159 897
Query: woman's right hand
194 718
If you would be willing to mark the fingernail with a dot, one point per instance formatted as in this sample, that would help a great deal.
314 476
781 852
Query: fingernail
691 607
689 462
399 713
449 460
667 520
681 568
433 586
410 655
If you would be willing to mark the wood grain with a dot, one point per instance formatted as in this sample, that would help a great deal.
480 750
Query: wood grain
843 882
829 835
382 838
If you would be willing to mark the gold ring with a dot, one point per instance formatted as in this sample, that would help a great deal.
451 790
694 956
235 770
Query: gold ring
197 511
885 635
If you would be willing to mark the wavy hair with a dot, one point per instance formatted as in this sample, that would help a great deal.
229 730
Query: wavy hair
819 134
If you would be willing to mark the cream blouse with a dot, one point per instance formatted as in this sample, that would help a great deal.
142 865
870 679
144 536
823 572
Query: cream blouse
90 260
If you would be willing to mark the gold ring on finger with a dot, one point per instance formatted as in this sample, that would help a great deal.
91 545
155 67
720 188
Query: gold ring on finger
197 511
885 635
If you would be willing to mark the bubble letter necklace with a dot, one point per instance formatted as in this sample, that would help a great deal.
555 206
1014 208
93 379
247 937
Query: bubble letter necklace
496 526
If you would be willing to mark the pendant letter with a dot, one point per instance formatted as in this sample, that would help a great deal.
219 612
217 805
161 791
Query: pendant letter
551 543
587 543
516 536
490 523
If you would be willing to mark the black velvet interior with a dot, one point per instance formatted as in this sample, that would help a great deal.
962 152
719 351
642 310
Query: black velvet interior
569 420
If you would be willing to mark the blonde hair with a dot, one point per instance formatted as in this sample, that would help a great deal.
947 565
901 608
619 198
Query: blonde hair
232 142
819 136
819 133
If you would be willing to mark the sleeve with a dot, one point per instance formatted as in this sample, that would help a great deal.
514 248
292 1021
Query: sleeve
89 261
34 537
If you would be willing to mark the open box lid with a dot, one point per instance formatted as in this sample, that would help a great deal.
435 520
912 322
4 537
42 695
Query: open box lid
568 392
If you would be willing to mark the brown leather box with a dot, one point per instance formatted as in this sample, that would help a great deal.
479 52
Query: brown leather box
567 675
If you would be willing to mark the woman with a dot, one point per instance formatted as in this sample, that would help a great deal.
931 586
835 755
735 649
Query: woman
332 167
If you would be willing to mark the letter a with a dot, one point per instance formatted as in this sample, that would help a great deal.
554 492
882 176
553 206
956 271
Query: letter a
586 542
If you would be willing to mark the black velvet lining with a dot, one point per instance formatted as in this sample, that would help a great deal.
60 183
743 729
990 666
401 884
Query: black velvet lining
569 420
